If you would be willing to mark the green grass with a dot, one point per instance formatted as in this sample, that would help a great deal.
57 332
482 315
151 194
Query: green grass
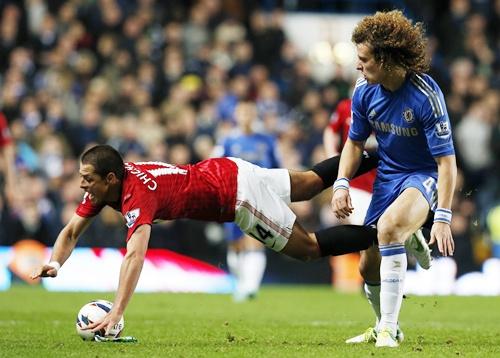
285 321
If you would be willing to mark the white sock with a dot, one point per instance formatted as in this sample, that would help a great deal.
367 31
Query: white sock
233 262
253 265
392 274
372 292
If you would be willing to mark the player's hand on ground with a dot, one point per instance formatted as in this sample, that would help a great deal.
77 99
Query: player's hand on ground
341 203
441 233
109 321
44 271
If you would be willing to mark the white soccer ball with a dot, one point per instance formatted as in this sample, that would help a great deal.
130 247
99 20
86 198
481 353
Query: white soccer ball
92 312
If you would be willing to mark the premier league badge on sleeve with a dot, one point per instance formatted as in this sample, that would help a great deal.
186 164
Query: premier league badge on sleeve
131 217
408 115
443 129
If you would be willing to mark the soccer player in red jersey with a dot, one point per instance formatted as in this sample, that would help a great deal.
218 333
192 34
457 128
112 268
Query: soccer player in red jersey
218 189
7 158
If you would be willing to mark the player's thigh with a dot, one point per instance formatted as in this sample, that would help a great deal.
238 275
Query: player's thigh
260 211
248 243
405 215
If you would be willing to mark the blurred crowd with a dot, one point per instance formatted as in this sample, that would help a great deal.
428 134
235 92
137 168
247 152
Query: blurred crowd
159 80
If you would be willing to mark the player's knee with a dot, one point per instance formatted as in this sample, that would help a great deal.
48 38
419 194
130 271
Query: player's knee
305 185
304 250
389 231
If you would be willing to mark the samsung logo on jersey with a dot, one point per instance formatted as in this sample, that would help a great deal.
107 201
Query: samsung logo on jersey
393 129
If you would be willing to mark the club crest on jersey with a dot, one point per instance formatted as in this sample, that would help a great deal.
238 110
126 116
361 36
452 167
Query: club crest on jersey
408 115
443 129
131 217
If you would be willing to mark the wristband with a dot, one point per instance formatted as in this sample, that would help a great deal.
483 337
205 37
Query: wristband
341 183
55 265
442 215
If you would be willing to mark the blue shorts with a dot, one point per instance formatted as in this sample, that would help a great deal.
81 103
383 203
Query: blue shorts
386 191
232 232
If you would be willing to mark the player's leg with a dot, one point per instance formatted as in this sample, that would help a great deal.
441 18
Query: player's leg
233 235
306 185
252 267
403 217
262 212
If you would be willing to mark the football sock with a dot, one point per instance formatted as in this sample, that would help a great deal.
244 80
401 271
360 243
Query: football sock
328 169
392 274
344 239
253 265
232 259
372 292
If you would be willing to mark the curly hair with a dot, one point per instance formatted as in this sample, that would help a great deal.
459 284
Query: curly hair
395 40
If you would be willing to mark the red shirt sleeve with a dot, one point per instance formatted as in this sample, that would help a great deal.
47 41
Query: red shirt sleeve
139 209
86 209
5 135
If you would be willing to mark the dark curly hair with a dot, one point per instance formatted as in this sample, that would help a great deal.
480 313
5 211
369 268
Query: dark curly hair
394 40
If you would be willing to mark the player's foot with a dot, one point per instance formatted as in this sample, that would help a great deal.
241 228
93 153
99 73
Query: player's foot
418 247
400 336
369 336
386 339
244 297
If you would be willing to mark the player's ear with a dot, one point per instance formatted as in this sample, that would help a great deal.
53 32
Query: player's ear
111 178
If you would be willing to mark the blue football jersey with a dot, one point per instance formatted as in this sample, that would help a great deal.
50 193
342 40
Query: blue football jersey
256 148
411 124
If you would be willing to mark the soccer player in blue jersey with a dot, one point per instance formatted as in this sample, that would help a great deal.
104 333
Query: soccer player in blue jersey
417 169
246 257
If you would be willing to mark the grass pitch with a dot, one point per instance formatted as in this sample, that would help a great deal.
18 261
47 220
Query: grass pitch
285 321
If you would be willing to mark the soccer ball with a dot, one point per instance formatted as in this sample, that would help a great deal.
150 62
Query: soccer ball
92 312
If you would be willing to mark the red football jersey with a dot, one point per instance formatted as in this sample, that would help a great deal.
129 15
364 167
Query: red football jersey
340 122
5 136
160 191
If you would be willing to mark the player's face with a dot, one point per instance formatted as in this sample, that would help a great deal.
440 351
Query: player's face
371 69
96 186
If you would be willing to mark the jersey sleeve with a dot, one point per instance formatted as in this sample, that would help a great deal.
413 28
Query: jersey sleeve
5 135
436 122
340 115
139 210
360 128
86 209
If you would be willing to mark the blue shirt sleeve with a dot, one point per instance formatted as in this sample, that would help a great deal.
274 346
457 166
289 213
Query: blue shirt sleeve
436 123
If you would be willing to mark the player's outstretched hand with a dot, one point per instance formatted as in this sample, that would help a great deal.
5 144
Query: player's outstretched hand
441 233
341 203
44 271
109 321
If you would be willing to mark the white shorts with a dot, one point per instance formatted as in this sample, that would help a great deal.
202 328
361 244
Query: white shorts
262 200
360 200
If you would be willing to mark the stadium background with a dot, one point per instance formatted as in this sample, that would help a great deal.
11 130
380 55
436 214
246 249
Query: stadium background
159 81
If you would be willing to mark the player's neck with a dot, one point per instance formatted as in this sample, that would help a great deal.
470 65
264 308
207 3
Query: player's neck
394 79
114 194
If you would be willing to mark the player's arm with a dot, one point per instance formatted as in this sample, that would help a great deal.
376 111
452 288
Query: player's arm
8 153
130 272
441 231
350 160
331 142
63 247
